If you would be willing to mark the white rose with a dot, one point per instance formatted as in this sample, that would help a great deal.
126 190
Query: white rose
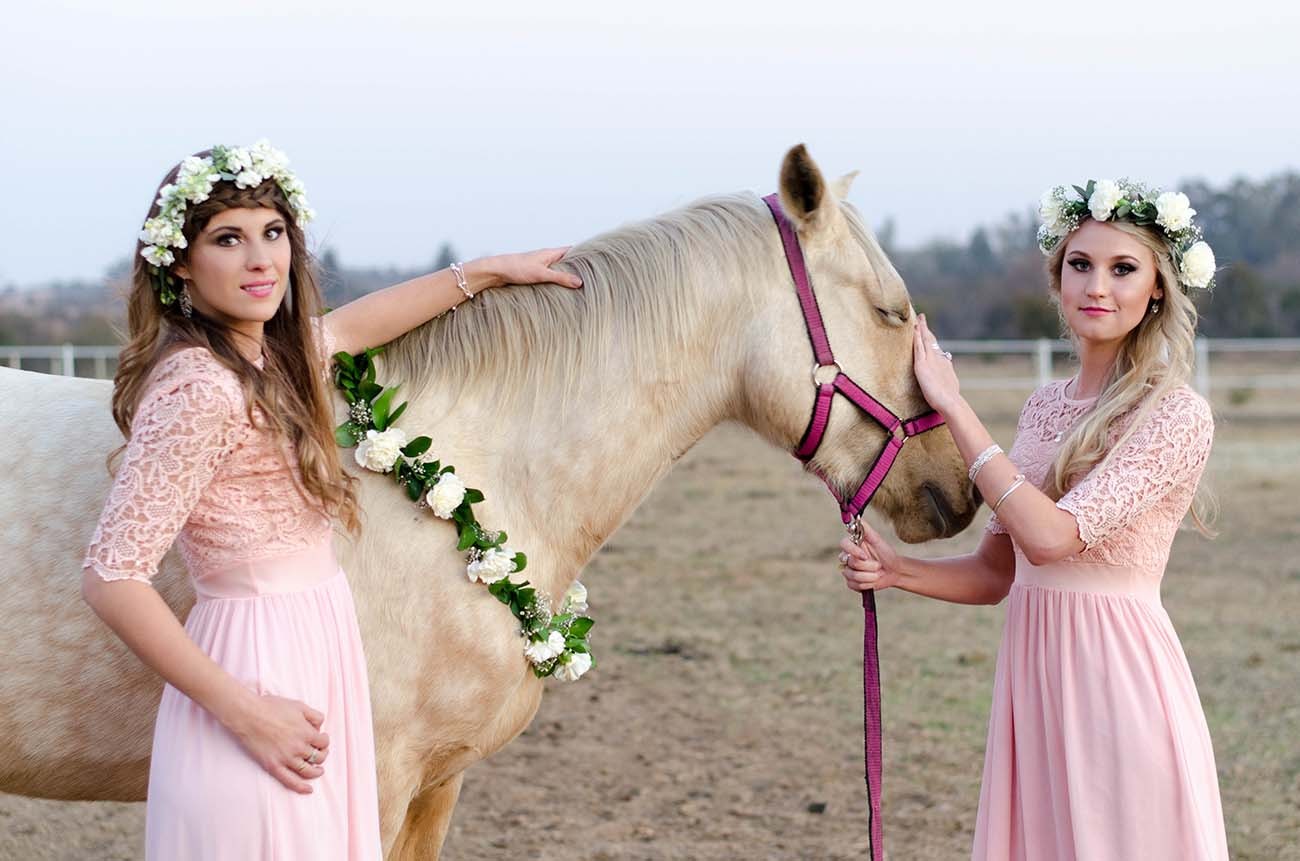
380 449
1174 211
576 598
446 496
492 566
541 651
1197 269
574 668
1105 194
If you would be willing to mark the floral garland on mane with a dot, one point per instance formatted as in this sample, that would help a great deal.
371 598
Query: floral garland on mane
556 642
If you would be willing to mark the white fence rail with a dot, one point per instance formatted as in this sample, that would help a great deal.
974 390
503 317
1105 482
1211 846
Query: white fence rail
1282 373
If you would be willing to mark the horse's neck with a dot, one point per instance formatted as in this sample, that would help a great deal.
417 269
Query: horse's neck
560 481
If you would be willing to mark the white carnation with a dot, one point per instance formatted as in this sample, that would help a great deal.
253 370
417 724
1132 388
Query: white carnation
446 496
1174 211
541 651
1197 268
1051 209
575 599
574 668
380 449
492 565
1105 194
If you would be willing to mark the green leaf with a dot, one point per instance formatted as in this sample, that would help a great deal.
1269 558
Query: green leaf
473 496
521 561
417 446
343 435
580 626
1082 193
1092 186
397 412
345 359
413 489
468 535
379 408
1123 210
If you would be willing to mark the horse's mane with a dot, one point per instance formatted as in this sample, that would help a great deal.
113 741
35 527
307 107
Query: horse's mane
642 288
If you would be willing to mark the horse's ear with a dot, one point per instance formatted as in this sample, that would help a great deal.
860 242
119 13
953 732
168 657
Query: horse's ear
843 184
804 195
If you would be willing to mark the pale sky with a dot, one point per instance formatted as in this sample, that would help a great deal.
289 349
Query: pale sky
506 126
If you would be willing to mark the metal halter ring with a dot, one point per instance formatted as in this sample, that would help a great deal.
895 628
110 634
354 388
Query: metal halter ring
816 367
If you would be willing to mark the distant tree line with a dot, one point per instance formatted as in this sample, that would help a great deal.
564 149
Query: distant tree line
993 285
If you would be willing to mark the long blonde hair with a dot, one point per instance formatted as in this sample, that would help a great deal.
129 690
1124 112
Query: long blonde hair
1154 359
289 391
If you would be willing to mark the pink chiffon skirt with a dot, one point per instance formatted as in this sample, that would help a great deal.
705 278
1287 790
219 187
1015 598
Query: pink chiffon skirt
1097 744
284 626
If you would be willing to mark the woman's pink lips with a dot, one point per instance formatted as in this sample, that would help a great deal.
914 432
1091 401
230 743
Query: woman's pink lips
259 289
1096 312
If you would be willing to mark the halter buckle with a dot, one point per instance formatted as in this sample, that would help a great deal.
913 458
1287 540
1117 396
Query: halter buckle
817 367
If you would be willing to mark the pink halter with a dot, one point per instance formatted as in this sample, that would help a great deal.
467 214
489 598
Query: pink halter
899 430
851 509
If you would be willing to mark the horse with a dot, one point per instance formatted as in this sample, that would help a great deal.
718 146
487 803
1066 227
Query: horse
564 407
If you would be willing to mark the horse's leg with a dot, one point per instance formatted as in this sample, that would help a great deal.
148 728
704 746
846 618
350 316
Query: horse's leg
427 819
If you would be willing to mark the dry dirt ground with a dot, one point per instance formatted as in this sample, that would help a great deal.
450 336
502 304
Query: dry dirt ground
724 719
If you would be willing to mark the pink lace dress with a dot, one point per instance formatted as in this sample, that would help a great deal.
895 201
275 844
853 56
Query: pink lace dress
273 608
1097 744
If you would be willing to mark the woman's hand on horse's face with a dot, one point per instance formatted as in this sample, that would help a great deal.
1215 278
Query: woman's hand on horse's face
871 565
532 267
933 369
281 737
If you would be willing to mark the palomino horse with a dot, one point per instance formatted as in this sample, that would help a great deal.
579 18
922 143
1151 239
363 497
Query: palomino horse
565 407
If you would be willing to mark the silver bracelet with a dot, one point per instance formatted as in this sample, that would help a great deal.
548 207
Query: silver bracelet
1020 479
984 457
459 271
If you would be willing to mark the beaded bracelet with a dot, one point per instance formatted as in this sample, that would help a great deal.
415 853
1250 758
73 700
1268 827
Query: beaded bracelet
984 457
1020 479
459 271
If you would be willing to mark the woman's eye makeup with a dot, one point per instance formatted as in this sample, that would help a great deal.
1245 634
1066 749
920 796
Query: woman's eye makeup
272 233
1078 264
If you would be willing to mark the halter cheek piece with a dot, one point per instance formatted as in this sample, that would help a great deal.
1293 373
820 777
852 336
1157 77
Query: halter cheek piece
828 379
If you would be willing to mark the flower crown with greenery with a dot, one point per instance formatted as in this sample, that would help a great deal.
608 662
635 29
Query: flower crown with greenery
1063 209
246 167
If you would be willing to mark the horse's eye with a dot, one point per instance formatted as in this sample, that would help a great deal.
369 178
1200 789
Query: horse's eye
892 316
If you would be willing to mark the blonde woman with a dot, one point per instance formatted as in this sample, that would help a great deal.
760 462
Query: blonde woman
263 745
1097 744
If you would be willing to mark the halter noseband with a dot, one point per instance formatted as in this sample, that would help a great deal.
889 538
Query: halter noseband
899 430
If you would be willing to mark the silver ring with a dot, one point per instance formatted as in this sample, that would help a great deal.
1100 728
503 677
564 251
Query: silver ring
947 355
844 559
311 757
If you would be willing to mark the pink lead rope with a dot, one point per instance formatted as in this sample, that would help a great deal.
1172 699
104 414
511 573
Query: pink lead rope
851 508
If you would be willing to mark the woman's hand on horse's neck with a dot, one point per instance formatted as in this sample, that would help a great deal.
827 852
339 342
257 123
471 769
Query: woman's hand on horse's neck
384 315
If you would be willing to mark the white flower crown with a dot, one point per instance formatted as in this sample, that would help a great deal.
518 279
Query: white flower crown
246 167
1063 208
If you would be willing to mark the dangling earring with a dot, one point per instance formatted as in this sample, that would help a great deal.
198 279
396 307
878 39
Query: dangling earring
1155 307
187 307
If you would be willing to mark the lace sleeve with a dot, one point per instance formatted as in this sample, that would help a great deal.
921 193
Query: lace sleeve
994 526
1168 451
187 421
